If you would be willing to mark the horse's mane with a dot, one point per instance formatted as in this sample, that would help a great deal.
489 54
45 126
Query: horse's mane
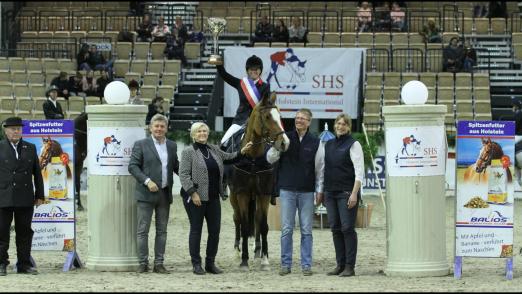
497 151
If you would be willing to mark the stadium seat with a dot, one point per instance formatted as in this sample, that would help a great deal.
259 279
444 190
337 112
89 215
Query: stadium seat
139 66
76 104
156 50
129 76
34 64
391 95
192 50
498 25
445 79
37 90
445 94
20 90
155 66
148 91
123 50
170 79
374 78
348 38
409 76
480 80
150 79
173 66
428 78
373 93
166 91
392 79
481 25
121 67
463 79
141 50
17 63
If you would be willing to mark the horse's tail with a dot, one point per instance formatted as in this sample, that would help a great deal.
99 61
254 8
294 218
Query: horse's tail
251 217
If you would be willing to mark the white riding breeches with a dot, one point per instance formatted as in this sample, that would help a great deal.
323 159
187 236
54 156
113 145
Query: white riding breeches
231 131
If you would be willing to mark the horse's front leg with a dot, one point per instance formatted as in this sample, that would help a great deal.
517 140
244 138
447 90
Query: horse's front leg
237 221
243 202
262 227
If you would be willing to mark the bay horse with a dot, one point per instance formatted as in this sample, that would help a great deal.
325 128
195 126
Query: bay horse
80 153
251 179
477 172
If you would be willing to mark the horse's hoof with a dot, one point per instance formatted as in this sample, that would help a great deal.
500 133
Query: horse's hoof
257 254
265 267
243 268
80 208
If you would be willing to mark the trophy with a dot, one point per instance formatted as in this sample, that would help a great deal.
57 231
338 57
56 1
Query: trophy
216 26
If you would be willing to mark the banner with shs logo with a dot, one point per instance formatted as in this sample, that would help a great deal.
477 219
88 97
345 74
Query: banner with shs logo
324 80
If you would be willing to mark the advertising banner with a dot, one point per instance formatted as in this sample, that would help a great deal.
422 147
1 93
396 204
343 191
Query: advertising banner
484 180
53 222
370 180
110 149
326 81
416 151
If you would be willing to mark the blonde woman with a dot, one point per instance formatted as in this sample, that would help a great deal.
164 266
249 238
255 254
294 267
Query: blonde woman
343 175
201 174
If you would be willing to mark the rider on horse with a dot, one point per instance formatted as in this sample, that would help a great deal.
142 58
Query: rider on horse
250 90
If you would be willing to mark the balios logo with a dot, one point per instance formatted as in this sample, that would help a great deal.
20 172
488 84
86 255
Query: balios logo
54 212
493 217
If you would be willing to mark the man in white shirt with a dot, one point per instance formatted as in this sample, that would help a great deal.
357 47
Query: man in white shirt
153 162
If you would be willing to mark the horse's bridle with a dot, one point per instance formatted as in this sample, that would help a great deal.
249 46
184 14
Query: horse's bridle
488 156
265 134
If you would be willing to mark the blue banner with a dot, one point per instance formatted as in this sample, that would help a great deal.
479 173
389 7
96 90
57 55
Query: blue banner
53 222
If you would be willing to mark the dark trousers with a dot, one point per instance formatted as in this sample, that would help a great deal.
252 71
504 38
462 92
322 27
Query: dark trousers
342 223
23 217
211 212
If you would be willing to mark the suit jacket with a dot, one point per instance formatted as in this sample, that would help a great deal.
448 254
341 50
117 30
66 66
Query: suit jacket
193 173
52 112
145 163
16 176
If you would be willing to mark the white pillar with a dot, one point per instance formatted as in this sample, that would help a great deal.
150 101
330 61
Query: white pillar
111 209
415 205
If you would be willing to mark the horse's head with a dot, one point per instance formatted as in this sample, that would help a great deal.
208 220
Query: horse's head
485 155
267 123
45 152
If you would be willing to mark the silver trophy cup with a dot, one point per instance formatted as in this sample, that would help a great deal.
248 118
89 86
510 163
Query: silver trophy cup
216 26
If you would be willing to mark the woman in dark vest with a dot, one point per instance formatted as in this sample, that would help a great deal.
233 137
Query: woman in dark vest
343 175
250 90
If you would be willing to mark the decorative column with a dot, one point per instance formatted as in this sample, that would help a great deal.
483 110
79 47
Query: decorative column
416 152
111 210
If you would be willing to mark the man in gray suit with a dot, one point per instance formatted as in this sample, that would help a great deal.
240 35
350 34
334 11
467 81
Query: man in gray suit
153 162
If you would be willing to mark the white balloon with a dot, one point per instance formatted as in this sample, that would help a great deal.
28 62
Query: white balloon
414 92
116 92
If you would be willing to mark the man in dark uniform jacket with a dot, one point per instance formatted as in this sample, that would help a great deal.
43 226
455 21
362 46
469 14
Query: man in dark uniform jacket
52 108
19 168
247 100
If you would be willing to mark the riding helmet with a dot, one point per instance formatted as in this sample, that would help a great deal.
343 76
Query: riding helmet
515 101
254 62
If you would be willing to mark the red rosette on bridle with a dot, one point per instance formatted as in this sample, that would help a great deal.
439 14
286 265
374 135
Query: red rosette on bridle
505 161
64 158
